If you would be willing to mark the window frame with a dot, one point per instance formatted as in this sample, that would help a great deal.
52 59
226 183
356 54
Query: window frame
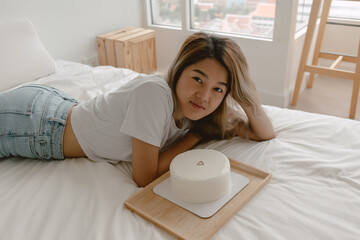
186 25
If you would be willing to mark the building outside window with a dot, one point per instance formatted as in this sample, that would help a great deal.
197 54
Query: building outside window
243 17
249 17
166 12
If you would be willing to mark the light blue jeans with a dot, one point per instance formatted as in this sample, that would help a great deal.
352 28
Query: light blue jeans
32 122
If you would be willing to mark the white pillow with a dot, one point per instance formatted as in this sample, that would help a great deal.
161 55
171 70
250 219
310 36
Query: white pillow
23 58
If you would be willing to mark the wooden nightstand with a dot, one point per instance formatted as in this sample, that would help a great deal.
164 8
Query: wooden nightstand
132 48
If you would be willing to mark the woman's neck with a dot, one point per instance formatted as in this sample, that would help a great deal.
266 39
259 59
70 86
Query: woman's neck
178 118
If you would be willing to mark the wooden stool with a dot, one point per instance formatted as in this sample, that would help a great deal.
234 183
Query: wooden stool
329 71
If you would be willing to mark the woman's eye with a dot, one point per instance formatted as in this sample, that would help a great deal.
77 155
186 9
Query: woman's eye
197 79
218 89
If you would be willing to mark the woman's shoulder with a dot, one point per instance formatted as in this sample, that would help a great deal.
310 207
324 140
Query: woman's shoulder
152 90
153 82
152 79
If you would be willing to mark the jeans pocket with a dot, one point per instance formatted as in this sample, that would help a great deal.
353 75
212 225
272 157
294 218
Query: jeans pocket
19 101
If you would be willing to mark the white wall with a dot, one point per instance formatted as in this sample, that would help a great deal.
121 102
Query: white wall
68 28
341 38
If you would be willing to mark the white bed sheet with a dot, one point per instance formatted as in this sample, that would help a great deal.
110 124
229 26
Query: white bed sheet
314 192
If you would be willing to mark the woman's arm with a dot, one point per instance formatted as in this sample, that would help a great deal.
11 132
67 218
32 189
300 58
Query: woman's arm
148 163
258 128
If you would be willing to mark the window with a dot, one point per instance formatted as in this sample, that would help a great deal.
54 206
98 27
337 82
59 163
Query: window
345 10
246 17
250 17
166 12
304 8
339 9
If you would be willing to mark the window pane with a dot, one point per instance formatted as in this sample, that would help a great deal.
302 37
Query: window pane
339 9
304 8
249 17
166 12
345 9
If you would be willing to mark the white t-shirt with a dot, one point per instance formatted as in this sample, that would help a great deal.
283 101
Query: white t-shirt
141 108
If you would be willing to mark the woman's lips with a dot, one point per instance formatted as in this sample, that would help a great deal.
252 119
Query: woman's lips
196 106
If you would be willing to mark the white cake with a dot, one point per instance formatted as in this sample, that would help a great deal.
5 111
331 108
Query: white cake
200 176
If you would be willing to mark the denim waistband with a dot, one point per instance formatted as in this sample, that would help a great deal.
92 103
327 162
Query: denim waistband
57 133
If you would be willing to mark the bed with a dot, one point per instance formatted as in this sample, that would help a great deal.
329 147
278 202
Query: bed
314 192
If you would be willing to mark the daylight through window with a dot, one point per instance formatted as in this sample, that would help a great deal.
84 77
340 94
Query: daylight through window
166 12
349 10
250 17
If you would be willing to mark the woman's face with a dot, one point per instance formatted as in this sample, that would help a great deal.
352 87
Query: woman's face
201 88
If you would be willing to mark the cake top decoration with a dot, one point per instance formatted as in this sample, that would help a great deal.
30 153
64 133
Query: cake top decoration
200 164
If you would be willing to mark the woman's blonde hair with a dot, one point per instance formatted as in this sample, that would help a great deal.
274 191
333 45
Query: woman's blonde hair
240 87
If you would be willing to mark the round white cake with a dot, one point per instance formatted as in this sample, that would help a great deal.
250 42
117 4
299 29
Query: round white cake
200 176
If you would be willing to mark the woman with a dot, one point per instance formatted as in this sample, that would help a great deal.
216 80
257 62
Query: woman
147 121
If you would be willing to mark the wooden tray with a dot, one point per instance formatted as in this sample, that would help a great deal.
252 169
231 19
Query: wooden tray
184 224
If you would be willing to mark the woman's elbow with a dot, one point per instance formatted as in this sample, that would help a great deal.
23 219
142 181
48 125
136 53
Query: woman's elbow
141 182
144 178
264 136
268 136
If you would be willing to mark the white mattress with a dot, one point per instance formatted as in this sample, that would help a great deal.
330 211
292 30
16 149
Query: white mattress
314 192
